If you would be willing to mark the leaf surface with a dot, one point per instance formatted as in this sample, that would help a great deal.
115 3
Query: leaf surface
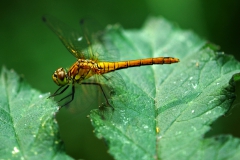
164 111
28 129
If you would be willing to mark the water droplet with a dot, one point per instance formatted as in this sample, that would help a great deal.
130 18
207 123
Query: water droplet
194 86
212 101
80 38
209 112
194 128
40 96
145 126
193 111
159 137
15 150
177 133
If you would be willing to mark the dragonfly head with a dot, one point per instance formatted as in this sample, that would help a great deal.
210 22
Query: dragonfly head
60 77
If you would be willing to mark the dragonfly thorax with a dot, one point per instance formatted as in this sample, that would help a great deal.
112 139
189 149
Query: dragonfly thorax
82 70
60 77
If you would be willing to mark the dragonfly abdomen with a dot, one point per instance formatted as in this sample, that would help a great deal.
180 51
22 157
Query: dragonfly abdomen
111 66
151 61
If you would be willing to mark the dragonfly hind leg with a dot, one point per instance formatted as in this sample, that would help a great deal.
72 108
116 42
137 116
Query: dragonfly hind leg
105 96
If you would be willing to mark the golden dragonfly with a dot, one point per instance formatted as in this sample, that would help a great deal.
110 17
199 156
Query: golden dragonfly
88 64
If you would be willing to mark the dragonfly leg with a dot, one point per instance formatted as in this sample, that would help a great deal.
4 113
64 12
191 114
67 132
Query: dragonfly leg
98 84
112 92
71 94
58 90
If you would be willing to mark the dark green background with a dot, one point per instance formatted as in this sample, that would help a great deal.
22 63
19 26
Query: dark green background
31 49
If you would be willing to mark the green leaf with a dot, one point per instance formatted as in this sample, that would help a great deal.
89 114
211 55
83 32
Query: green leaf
165 111
28 129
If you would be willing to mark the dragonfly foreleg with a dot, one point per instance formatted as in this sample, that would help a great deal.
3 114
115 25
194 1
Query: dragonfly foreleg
56 93
71 94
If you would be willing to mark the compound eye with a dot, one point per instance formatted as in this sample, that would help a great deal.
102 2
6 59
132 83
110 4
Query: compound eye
60 77
55 75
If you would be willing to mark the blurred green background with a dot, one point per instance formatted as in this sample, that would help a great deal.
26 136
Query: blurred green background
30 48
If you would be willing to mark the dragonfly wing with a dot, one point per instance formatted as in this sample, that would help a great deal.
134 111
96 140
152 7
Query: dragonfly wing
89 36
75 41
113 82
101 44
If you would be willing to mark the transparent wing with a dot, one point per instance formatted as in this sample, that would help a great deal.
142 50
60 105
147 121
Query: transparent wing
112 83
87 43
108 51
101 45
77 42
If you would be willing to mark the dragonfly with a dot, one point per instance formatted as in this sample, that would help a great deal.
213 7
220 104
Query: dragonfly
90 63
